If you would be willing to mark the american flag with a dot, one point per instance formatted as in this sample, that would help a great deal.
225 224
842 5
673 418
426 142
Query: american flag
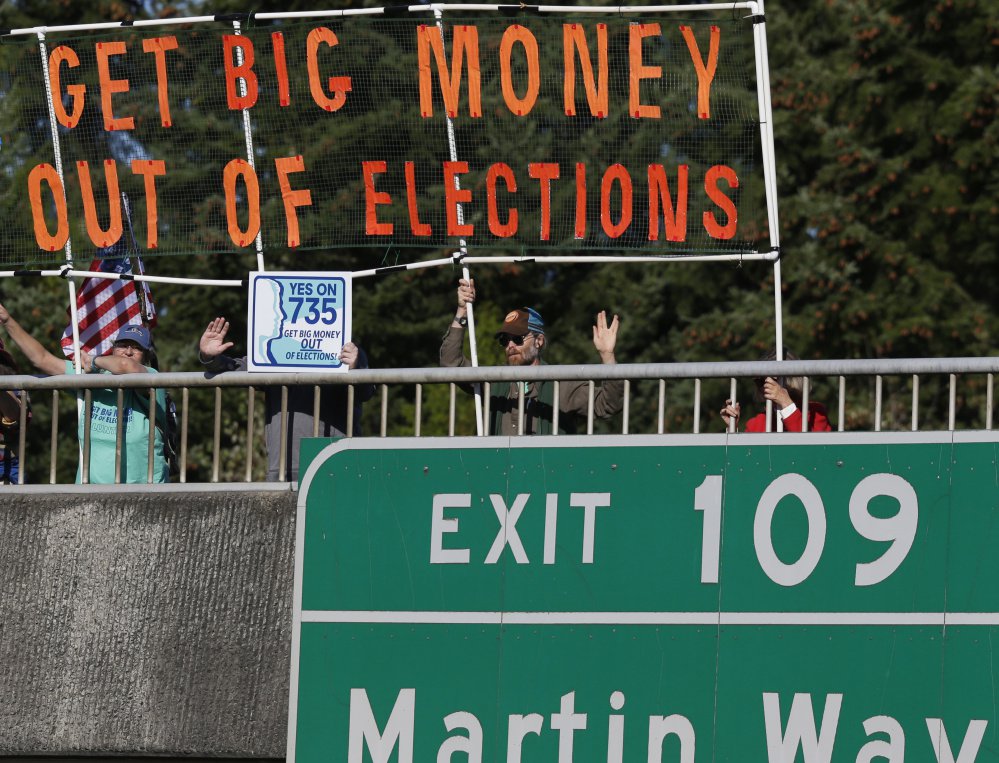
104 305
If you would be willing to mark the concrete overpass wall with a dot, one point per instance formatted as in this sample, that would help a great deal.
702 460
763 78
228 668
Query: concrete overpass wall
145 622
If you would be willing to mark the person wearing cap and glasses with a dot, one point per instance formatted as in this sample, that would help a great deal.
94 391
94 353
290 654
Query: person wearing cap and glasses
522 337
130 354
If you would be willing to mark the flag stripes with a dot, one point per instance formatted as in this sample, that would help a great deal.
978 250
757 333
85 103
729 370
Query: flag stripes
105 305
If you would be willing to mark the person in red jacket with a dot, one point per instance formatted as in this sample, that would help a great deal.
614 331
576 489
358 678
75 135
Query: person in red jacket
786 394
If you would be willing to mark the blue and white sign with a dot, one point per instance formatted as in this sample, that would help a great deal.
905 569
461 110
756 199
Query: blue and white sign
298 321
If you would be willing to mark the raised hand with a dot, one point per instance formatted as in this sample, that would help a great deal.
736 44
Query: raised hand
213 342
605 337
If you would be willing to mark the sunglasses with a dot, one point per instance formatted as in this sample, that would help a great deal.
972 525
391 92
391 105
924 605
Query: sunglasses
517 339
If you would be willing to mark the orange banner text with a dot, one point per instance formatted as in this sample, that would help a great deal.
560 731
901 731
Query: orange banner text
658 200
582 48
50 211
613 192
586 52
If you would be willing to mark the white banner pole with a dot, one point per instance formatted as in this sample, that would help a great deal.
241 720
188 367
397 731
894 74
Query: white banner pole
248 133
462 248
57 151
769 175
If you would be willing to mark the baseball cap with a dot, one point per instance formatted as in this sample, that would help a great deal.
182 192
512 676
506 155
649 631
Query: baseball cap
135 333
523 320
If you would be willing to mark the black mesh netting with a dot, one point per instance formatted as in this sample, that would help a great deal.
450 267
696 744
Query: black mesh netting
582 180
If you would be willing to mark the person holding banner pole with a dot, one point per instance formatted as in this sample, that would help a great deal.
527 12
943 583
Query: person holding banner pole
522 337
301 402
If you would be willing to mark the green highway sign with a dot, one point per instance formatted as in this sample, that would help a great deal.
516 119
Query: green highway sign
816 598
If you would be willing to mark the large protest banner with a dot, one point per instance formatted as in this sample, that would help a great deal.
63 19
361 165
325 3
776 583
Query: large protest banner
589 132
816 598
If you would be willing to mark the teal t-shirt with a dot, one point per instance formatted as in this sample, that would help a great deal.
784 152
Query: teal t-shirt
135 449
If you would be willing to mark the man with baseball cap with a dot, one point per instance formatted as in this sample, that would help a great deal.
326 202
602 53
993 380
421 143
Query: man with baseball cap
130 354
522 337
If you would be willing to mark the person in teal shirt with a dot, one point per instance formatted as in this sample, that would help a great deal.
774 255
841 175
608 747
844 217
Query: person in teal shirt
130 354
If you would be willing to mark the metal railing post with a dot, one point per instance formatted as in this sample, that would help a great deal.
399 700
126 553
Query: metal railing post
450 411
151 443
697 406
184 400
88 409
417 415
315 410
119 429
842 404
591 389
988 402
732 388
804 404
350 411
520 409
383 429
217 434
54 438
877 402
486 405
251 400
556 408
283 455
627 402
661 416
22 427
952 404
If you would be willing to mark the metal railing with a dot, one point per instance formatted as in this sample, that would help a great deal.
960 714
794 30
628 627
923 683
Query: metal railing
940 393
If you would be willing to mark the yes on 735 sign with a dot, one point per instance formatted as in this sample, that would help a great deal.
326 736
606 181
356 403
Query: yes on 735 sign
818 597
298 321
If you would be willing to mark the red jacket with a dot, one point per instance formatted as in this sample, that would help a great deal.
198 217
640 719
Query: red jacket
818 421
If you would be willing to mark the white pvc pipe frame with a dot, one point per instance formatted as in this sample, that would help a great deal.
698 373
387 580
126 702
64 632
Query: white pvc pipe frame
754 8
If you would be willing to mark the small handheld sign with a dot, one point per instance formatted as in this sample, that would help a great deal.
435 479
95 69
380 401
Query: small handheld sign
298 321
